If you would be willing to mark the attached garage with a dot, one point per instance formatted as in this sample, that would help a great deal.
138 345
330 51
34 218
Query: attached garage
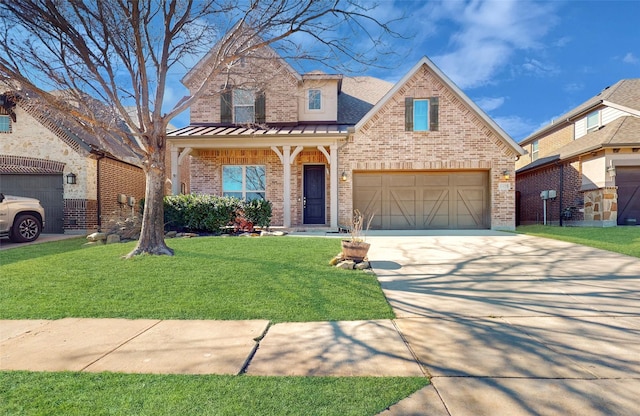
628 183
424 200
46 188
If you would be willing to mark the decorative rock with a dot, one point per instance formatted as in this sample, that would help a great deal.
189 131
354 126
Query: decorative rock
171 234
346 265
272 233
113 238
97 237
363 265
94 243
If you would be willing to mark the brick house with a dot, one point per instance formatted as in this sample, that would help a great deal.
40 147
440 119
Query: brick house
80 179
589 157
418 154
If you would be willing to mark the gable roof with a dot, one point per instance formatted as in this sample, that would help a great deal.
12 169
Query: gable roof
621 132
424 61
196 69
358 96
624 95
72 132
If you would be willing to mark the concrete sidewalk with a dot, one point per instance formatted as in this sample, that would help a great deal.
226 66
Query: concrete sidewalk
503 324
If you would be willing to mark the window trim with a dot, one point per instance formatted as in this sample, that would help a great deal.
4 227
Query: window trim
252 105
598 115
244 191
433 108
8 123
317 94
535 150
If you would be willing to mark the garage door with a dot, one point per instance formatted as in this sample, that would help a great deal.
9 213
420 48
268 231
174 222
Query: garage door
628 182
423 200
46 188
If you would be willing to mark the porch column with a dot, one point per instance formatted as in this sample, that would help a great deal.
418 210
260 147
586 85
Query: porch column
332 159
175 171
286 158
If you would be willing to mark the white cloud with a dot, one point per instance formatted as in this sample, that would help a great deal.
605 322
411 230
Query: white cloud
517 127
490 103
573 87
487 35
538 68
630 58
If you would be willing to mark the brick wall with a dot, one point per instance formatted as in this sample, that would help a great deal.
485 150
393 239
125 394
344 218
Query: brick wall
274 78
115 178
548 145
531 183
80 215
463 142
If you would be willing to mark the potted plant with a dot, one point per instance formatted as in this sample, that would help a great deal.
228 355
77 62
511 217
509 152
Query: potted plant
356 248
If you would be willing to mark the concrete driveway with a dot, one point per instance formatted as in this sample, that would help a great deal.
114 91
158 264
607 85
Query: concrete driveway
507 324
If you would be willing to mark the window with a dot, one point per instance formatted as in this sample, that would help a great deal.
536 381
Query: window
242 106
534 150
5 124
593 121
244 182
315 99
421 114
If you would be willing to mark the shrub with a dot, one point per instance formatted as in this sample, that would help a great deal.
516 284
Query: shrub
212 213
258 212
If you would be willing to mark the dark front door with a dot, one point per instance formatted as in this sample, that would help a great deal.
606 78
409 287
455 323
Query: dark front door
314 194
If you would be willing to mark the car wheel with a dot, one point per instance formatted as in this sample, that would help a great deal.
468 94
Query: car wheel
25 228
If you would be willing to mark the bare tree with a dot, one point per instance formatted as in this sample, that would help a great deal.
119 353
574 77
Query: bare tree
121 52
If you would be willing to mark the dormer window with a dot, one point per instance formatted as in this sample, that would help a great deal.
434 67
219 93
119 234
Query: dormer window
242 106
593 121
315 99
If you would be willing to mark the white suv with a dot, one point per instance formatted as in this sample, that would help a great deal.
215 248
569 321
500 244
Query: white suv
21 219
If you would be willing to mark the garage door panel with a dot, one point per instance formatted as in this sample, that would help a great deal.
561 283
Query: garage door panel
628 183
424 200
46 188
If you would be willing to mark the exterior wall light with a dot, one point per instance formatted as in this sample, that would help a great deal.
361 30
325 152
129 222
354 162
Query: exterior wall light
343 177
506 175
71 179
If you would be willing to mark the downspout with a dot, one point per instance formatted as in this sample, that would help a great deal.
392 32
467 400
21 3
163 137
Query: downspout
101 156
561 190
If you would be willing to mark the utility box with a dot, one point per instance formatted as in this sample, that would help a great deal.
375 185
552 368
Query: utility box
544 194
132 201
122 199
552 194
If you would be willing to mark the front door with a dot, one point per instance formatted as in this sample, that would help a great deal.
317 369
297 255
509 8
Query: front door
314 194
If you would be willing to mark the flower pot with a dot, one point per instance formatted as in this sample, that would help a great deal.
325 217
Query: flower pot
354 250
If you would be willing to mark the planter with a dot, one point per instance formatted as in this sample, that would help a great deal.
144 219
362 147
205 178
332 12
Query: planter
354 250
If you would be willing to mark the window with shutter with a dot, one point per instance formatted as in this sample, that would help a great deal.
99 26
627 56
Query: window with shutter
240 106
421 114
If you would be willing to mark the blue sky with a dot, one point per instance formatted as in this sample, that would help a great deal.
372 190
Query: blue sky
524 62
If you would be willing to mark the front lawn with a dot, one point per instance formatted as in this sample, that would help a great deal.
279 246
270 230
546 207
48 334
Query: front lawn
67 393
282 279
625 240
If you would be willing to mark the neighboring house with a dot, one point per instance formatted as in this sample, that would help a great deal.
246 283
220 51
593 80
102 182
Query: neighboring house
81 179
590 158
418 154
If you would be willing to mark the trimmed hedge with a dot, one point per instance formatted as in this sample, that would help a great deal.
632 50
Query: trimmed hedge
211 213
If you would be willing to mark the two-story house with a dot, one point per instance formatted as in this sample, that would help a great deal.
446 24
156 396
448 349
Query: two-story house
81 179
418 154
590 159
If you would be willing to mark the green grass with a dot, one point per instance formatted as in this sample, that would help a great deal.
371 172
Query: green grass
282 279
625 240
26 393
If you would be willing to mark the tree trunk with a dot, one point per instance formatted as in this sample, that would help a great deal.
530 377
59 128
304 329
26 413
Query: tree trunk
152 234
